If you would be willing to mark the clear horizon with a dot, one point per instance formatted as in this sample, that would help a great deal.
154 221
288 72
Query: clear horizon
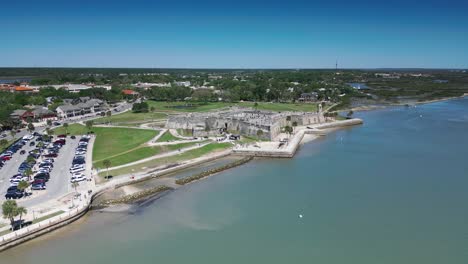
253 34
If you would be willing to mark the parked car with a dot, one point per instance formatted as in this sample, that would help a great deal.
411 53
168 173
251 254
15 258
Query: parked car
77 169
38 186
62 136
32 143
80 152
78 178
49 160
5 157
51 155
14 193
22 152
73 137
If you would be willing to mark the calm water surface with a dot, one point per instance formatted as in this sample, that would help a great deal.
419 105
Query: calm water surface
394 190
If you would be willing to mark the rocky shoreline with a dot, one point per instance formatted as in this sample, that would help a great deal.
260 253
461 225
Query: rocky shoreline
135 197
206 173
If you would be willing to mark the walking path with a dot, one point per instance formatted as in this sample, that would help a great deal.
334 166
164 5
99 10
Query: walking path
163 155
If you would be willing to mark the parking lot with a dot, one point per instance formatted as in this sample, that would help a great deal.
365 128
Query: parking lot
59 182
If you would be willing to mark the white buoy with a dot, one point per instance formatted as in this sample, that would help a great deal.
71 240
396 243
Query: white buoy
420 115
300 216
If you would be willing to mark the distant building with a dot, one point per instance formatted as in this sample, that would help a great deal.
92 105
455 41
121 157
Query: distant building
82 106
130 92
186 83
38 113
308 97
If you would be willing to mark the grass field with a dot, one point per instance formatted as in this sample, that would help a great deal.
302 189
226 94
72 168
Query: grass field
195 153
203 107
142 153
111 141
130 118
167 136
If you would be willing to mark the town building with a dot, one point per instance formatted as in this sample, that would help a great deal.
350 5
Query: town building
81 106
36 114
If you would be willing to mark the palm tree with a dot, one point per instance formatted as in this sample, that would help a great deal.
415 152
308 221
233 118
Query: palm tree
294 124
9 210
107 163
21 211
23 185
30 127
65 125
89 125
108 114
152 109
28 173
75 185
288 130
13 133
259 133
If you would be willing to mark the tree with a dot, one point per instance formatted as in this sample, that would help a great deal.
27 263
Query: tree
10 210
3 143
13 133
89 125
288 130
294 124
49 131
65 125
107 163
28 173
259 133
31 127
152 109
23 185
256 106
350 114
21 211
75 185
49 122
109 114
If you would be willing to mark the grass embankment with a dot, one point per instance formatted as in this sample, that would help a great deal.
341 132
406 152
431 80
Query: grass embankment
45 217
130 118
185 132
191 154
206 173
167 136
203 107
111 141
142 153
35 221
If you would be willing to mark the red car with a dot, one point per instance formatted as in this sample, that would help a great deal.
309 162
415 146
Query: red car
38 181
5 157
51 155
62 136
60 141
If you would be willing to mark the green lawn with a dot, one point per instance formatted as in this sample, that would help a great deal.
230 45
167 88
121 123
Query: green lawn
73 129
195 153
203 107
167 136
142 153
130 117
111 141
37 220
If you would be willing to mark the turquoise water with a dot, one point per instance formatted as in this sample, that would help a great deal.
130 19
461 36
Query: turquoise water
394 190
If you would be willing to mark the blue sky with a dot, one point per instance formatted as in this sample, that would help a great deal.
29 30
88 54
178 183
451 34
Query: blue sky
234 34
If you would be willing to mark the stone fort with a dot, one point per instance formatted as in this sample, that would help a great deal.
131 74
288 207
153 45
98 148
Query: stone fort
243 121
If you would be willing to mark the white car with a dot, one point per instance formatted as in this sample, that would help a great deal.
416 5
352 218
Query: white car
79 153
86 136
77 169
49 160
19 178
77 178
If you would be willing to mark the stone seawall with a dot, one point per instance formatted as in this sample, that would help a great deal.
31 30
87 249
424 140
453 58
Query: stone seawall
290 149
